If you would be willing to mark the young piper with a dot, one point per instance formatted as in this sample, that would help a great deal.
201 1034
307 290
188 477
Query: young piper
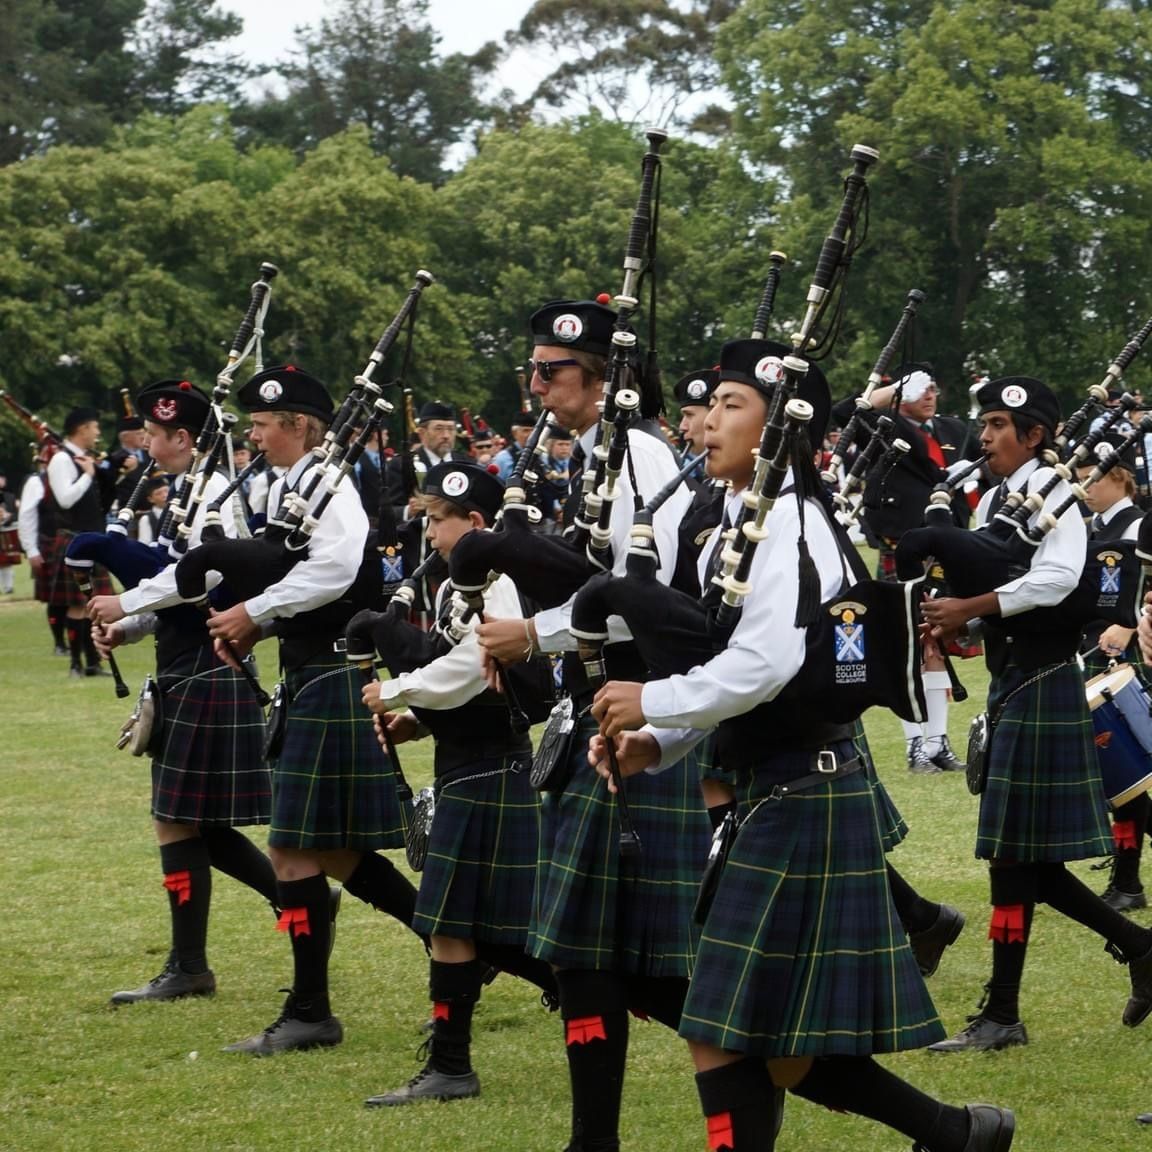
1043 804
803 971
476 888
208 777
334 799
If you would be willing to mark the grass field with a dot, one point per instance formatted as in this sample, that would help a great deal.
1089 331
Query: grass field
83 914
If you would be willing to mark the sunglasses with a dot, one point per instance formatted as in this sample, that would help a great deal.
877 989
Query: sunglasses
545 368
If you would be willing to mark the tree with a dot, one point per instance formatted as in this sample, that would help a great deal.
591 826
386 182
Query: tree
1014 185
374 63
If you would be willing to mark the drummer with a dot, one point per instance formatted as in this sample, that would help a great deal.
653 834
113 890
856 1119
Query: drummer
1115 517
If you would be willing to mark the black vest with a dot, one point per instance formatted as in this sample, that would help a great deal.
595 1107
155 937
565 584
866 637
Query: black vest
87 514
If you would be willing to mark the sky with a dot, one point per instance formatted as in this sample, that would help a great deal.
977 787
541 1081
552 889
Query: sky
464 26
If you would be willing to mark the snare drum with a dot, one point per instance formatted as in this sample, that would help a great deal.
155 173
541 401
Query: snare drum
1122 720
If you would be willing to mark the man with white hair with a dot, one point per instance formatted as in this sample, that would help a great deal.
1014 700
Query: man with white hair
894 503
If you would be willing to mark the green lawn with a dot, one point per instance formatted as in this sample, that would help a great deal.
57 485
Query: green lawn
83 914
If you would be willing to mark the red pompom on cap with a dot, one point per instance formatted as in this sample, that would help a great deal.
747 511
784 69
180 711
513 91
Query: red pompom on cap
185 386
603 298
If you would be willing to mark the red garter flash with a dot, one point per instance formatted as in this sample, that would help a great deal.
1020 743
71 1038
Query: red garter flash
180 884
294 920
720 1132
1007 925
584 1029
1124 835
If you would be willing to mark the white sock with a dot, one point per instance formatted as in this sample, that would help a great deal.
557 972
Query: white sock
936 695
911 731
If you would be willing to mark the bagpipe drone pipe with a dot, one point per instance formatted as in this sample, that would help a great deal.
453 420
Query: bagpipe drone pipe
675 632
973 563
249 567
549 569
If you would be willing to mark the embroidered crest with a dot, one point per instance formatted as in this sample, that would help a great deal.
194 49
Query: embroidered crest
164 410
567 328
391 566
1109 577
849 641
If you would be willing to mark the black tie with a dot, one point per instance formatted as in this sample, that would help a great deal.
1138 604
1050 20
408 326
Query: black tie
1097 524
998 499
575 472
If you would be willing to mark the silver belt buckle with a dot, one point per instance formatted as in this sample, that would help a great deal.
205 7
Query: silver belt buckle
340 646
826 762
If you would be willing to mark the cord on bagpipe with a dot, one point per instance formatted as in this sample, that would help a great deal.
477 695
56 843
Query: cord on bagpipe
47 438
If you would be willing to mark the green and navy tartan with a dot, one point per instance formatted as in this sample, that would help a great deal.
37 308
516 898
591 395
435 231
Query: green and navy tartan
480 873
891 823
802 953
333 785
211 768
1044 800
595 911
702 759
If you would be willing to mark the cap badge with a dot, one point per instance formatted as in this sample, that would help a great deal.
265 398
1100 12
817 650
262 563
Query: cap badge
769 370
696 389
271 391
164 410
454 484
568 328
1014 396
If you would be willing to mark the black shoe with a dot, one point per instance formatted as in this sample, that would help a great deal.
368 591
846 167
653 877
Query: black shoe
75 672
172 984
928 946
1123 901
335 892
1144 1118
1140 1002
982 1035
287 1033
96 670
59 650
918 762
946 759
990 1129
428 1084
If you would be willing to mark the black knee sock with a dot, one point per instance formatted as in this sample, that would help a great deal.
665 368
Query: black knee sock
717 813
1129 824
232 853
1008 956
376 881
91 656
455 989
516 962
56 616
916 913
740 1104
75 639
1059 889
661 998
188 878
594 1009
858 1084
305 916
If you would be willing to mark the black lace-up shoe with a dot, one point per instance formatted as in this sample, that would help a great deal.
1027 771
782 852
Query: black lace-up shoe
172 984
946 759
288 1033
983 1035
428 1084
990 1129
928 946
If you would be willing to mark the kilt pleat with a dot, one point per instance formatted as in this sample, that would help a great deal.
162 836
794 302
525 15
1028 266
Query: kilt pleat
46 577
62 586
705 763
333 786
1044 799
594 910
480 871
802 953
893 828
210 769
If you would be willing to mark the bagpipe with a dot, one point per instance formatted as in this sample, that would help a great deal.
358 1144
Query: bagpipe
249 567
675 632
975 563
47 438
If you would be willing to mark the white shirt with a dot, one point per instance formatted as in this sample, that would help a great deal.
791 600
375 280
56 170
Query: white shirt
67 487
1059 559
654 465
159 591
335 551
456 677
766 649
1132 532
28 521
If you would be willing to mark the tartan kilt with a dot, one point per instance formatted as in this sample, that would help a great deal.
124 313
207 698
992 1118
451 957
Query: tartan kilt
480 872
802 953
47 574
890 822
333 785
211 768
1044 800
62 586
11 553
702 760
594 911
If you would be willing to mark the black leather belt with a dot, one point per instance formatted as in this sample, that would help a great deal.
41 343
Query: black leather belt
826 766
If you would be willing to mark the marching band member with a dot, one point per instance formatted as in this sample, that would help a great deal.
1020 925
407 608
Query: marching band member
803 971
1043 803
614 931
334 801
208 773
475 891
